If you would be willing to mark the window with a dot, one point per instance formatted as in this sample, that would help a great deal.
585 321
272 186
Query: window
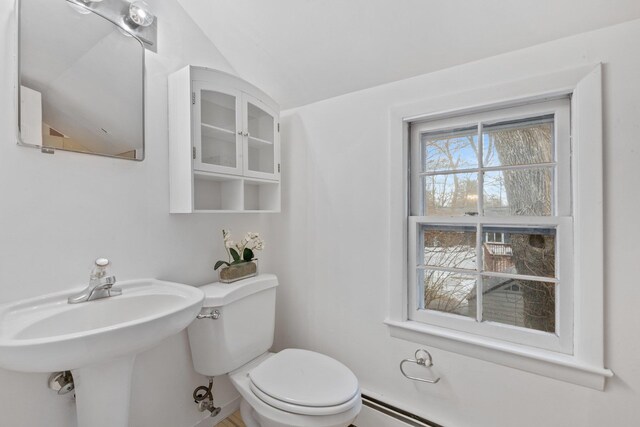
490 225
493 237
478 235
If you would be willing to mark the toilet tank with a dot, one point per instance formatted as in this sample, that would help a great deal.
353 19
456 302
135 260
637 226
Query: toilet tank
243 329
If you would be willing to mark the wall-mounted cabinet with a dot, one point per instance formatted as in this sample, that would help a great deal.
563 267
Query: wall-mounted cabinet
224 139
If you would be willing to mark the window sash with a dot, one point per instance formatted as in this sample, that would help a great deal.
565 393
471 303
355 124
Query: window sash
561 165
562 340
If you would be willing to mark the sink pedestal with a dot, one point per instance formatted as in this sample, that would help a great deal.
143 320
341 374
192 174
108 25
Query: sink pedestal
103 393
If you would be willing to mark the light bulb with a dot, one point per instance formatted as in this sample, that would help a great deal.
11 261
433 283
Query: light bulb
140 14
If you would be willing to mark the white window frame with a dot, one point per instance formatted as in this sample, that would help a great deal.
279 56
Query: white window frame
583 364
560 219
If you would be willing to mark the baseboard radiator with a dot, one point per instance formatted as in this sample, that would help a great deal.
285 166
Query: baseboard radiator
376 413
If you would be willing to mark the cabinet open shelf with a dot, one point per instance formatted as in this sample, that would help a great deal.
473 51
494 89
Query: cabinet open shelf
225 193
216 193
260 195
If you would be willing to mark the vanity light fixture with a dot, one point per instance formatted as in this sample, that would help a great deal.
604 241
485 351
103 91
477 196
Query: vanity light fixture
140 15
134 18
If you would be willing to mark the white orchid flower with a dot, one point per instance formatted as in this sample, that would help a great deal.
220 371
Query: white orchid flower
258 244
251 241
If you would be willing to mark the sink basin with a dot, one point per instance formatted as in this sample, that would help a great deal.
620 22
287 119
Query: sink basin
97 340
46 334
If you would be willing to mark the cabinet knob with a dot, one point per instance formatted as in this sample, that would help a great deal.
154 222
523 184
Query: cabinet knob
240 132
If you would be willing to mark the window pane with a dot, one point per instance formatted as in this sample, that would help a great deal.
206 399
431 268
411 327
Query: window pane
451 194
261 124
519 192
446 246
523 303
450 150
518 143
447 291
520 251
218 146
218 110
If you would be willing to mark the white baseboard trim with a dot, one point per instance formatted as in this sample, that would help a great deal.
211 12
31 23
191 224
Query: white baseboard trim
226 410
383 413
369 417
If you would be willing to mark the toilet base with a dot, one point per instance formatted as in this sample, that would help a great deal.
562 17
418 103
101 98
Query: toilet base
248 415
252 419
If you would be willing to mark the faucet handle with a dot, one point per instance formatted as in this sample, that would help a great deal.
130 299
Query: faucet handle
100 268
102 262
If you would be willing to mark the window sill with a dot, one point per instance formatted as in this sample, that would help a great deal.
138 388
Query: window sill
558 366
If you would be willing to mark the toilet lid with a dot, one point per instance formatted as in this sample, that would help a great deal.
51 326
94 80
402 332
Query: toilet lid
305 378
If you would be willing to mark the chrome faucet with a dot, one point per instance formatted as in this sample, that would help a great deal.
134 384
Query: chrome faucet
100 285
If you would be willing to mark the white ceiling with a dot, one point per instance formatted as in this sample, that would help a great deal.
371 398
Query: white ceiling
301 51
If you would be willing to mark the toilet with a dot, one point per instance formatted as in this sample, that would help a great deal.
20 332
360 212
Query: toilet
291 388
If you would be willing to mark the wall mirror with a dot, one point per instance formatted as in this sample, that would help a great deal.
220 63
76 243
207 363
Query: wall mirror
81 77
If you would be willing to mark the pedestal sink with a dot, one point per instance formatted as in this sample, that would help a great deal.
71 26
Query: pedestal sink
96 340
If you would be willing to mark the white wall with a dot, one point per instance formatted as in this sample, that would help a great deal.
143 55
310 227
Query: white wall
61 211
334 267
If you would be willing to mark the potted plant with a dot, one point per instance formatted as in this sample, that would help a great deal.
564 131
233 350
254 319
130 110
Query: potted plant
241 258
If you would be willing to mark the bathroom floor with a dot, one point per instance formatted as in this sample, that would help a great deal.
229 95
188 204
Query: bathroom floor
232 420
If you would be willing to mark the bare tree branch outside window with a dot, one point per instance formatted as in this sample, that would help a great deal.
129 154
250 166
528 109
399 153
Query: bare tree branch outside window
509 188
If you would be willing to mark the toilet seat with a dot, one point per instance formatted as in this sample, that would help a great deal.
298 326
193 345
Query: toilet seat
305 382
305 410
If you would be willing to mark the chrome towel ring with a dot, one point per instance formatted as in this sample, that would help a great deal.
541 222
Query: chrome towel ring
422 358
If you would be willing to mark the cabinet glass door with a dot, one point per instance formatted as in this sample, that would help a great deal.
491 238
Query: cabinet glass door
261 140
217 121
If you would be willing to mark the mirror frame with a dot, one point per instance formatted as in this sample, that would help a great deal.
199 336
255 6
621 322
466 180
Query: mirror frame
144 43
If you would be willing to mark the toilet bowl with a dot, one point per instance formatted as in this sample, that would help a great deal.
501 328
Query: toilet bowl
291 388
327 403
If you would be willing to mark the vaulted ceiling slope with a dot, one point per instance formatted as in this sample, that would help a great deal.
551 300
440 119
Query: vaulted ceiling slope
302 51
